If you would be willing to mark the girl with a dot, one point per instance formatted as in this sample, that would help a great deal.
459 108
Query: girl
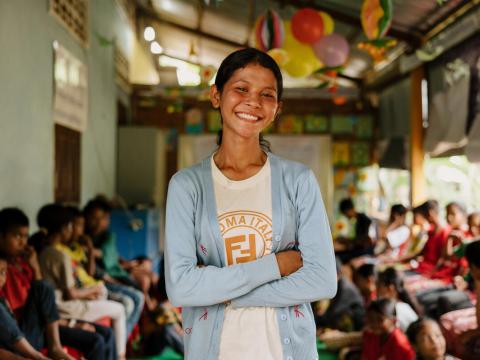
390 286
397 234
428 341
75 302
248 245
382 339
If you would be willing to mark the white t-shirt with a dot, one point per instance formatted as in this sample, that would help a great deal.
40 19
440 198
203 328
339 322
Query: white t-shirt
397 237
244 210
405 315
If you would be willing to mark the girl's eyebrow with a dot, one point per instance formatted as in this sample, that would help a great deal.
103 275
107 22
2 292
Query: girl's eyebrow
248 82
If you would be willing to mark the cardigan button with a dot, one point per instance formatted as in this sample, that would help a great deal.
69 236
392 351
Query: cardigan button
283 317
286 341
278 237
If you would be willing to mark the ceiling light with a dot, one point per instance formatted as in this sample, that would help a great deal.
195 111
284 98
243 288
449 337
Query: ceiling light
149 33
156 48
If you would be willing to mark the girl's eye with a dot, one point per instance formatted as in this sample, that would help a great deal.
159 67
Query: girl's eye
241 89
267 95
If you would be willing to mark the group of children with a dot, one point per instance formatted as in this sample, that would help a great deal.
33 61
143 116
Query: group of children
65 293
405 291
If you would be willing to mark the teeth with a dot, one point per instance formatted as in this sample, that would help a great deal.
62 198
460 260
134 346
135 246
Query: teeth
247 116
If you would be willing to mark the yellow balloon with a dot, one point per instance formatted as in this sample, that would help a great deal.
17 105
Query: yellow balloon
298 68
328 24
280 56
299 53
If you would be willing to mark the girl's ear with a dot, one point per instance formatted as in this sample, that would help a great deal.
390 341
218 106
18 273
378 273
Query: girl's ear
215 96
279 109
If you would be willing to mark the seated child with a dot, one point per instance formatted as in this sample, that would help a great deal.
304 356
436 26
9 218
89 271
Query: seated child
84 303
474 224
365 279
397 235
11 337
390 286
346 311
382 339
427 340
82 252
24 291
97 221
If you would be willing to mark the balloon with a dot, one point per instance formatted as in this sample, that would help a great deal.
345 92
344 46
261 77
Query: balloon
307 25
328 24
332 50
269 31
298 68
386 20
280 56
298 53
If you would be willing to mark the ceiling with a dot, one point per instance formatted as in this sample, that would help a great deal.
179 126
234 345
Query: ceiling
214 28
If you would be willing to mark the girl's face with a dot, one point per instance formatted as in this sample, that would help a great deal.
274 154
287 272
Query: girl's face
78 227
474 224
430 342
455 217
67 232
380 324
386 291
248 102
13 242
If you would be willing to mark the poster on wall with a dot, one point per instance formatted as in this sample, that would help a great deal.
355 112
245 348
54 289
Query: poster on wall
70 98
290 124
316 124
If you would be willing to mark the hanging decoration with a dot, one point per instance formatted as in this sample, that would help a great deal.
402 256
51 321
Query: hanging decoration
328 24
332 50
376 17
269 31
280 56
207 73
302 60
307 25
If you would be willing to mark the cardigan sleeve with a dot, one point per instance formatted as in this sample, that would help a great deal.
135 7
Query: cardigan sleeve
317 279
188 284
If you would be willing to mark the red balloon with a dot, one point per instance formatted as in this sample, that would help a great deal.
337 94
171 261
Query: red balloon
307 25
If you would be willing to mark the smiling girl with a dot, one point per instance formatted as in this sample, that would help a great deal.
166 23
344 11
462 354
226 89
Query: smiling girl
248 245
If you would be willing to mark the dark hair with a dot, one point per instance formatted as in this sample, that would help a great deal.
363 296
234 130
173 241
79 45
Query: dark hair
74 212
51 219
238 60
3 256
415 327
385 307
391 277
458 205
472 253
397 210
366 270
346 204
12 218
98 202
430 205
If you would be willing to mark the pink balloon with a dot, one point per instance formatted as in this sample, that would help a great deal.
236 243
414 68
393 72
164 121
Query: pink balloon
332 50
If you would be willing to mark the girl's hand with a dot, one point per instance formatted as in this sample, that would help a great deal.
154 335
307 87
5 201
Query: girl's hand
289 261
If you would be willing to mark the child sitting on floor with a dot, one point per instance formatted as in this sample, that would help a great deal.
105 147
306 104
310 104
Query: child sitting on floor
24 289
428 341
382 339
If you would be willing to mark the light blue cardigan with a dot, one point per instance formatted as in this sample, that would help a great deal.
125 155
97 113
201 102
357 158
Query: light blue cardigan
193 237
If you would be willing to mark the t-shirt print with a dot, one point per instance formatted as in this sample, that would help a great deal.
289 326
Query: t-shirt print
247 235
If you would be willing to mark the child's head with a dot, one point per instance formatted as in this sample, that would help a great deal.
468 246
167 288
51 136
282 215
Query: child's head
427 339
474 223
365 278
420 215
56 220
472 253
347 208
431 210
398 212
78 222
3 269
97 216
13 231
381 316
456 215
389 284
248 90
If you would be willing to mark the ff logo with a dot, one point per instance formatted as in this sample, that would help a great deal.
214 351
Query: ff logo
247 235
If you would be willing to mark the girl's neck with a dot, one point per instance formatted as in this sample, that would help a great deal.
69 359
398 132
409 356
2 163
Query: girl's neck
54 239
239 155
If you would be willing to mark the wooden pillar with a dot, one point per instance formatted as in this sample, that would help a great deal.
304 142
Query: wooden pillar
418 188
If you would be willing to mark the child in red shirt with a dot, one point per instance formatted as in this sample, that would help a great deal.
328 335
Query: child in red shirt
382 339
31 300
